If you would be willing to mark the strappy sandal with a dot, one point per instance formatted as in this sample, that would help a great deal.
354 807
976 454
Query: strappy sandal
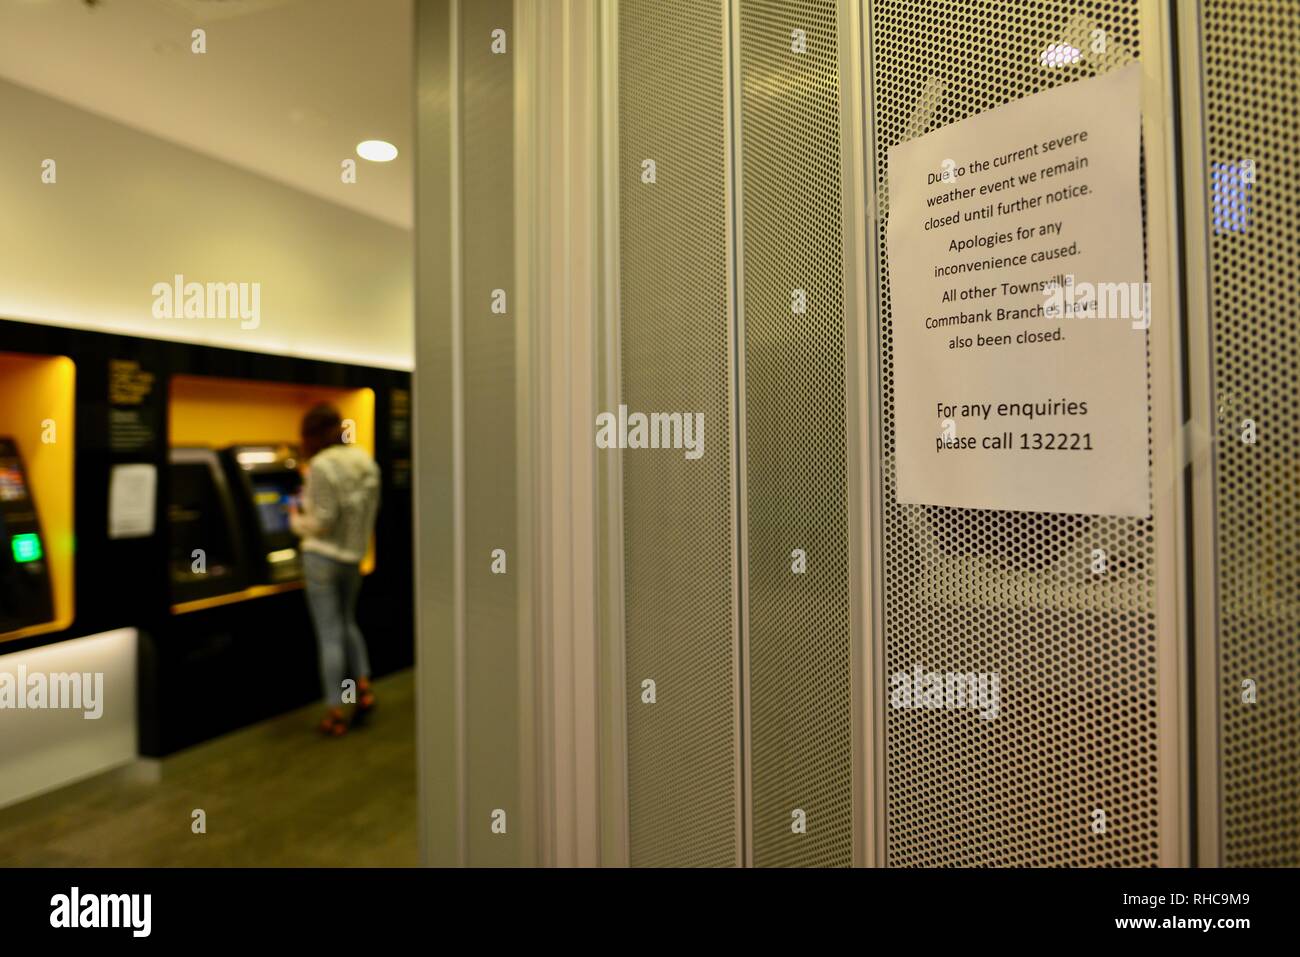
334 724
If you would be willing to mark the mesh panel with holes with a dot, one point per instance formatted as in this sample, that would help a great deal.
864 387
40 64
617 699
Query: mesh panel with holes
799 669
1251 64
678 514
1006 592
491 643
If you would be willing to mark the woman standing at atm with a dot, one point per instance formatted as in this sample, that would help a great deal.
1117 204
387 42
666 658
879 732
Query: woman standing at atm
340 499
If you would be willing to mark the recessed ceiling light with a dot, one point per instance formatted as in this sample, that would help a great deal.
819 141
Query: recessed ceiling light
377 151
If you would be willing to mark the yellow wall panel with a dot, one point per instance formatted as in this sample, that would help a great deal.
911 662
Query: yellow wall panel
38 408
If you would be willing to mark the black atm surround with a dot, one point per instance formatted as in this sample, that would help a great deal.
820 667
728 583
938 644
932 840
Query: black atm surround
228 519
209 555
210 671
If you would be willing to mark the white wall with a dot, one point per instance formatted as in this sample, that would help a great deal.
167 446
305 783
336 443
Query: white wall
41 749
129 210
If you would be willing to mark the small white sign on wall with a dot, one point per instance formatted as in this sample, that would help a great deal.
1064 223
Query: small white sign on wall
131 493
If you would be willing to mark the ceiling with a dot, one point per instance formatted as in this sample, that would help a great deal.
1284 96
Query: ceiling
286 89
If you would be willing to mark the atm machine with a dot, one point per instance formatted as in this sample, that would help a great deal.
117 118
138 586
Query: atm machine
208 554
265 482
26 593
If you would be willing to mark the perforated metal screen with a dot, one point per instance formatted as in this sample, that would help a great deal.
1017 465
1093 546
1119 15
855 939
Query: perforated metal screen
1006 592
1251 98
491 600
799 671
678 514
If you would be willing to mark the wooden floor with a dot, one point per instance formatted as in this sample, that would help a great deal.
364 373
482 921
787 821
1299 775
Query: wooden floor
278 794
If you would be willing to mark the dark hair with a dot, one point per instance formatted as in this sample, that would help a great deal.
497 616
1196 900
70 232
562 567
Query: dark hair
322 427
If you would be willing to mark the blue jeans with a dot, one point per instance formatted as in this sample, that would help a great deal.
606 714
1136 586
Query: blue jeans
332 590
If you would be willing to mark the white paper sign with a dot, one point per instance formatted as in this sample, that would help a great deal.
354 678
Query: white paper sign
1020 314
131 491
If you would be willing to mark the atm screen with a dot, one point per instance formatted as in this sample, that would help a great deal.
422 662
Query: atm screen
273 501
12 486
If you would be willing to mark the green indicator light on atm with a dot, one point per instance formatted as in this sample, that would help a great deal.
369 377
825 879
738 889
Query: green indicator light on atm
27 547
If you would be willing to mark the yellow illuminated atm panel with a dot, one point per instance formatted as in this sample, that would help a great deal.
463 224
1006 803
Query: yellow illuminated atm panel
241 416
37 408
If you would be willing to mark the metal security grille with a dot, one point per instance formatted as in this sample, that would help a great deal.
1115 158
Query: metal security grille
679 530
1251 66
491 600
1008 592
799 669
